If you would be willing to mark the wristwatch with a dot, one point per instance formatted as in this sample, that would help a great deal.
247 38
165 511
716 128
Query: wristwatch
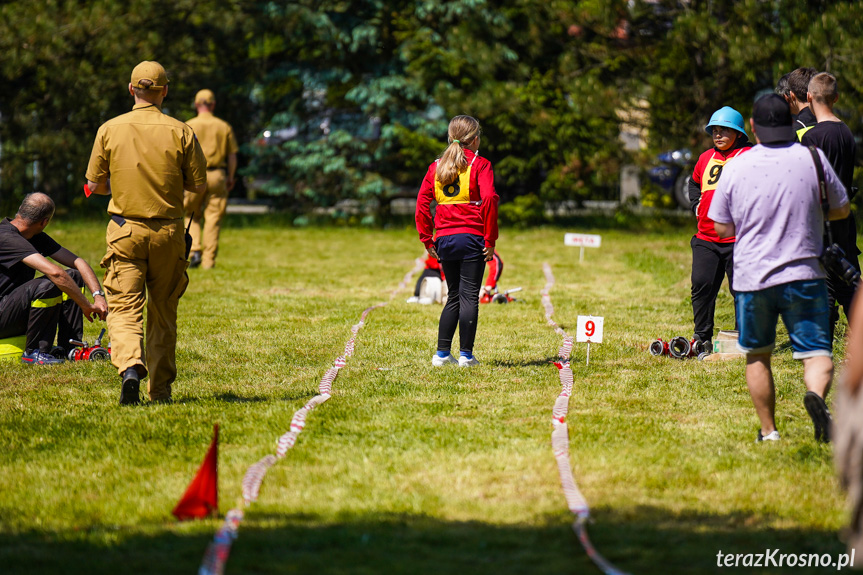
98 292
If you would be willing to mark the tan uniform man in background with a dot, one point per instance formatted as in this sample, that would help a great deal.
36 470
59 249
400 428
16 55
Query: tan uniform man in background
144 160
217 140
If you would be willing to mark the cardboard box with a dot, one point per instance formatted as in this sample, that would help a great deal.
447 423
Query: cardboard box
725 347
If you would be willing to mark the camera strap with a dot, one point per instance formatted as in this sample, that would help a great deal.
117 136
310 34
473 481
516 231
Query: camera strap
822 190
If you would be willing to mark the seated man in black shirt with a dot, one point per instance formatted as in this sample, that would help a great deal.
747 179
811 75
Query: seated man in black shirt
837 142
39 307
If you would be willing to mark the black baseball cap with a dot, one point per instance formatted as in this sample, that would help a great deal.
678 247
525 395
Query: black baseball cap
771 116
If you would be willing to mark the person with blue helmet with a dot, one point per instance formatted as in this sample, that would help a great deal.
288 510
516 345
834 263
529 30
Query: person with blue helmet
712 255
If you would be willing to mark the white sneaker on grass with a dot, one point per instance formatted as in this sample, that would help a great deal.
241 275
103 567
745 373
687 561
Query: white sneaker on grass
772 436
464 361
439 361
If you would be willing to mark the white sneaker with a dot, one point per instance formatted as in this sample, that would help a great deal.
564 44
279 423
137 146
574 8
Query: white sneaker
465 362
439 361
772 436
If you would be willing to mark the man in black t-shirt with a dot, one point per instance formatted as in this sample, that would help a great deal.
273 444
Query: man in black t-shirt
837 142
40 307
793 87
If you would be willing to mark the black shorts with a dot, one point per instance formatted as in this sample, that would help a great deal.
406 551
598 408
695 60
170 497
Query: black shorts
459 247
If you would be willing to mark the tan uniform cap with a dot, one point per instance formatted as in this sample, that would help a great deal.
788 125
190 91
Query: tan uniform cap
205 97
152 71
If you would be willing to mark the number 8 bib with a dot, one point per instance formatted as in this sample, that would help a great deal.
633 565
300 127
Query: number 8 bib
457 192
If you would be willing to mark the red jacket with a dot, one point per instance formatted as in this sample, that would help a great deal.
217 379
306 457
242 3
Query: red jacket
495 268
715 159
431 263
478 217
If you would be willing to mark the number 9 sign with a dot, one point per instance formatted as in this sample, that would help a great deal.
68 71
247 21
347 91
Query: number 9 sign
589 329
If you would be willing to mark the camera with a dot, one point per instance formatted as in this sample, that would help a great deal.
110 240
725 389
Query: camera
834 260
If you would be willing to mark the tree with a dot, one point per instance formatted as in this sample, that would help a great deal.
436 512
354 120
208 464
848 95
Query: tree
548 107
65 78
356 94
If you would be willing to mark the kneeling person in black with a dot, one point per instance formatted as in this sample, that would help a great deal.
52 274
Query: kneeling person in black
39 307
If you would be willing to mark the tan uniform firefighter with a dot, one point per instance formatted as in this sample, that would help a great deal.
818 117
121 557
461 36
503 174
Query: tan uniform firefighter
220 147
144 160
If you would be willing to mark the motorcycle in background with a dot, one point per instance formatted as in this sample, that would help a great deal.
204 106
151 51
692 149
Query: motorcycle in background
673 174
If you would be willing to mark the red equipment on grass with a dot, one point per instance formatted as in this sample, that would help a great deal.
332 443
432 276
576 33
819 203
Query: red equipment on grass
679 348
659 347
496 297
84 351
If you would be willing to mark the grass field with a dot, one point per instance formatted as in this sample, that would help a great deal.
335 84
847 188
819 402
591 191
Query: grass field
412 469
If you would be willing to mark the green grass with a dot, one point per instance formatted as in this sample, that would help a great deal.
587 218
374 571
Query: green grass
411 469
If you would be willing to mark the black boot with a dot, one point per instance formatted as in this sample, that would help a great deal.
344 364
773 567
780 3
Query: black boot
131 387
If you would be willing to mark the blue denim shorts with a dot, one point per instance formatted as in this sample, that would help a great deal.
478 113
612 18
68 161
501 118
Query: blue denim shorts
805 313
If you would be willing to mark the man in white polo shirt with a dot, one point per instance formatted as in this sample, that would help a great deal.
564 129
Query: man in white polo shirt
769 198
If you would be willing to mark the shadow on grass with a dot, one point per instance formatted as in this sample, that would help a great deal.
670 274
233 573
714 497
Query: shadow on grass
640 540
229 397
780 347
234 398
523 363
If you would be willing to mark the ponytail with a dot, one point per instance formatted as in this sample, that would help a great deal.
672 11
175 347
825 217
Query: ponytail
462 131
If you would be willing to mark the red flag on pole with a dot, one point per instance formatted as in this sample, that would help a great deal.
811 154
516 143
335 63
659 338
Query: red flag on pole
202 496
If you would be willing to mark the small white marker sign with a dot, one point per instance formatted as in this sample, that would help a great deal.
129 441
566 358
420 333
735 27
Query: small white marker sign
589 329
582 240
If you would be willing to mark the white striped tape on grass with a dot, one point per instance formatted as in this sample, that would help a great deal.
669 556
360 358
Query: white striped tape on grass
218 550
560 435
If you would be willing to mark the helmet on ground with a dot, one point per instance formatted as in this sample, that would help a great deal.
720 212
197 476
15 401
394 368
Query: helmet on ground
432 290
727 117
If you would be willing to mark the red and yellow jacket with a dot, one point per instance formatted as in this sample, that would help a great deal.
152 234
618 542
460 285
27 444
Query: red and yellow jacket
702 185
458 211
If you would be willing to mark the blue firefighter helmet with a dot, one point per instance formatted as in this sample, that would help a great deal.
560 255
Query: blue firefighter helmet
728 117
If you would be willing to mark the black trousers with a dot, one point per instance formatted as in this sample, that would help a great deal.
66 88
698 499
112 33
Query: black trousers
711 262
838 292
37 310
463 278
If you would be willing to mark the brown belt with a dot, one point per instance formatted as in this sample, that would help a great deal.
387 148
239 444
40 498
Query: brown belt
121 221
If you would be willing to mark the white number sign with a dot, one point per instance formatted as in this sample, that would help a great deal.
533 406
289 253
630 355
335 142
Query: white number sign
589 329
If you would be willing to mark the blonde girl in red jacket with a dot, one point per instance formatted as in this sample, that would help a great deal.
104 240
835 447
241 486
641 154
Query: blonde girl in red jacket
463 234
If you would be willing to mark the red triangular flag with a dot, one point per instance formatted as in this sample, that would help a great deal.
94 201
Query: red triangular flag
202 496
